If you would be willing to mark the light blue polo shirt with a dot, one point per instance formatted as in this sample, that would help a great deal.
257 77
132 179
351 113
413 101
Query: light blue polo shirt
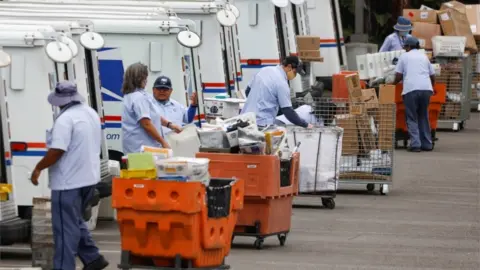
393 42
136 106
77 131
174 112
269 92
416 70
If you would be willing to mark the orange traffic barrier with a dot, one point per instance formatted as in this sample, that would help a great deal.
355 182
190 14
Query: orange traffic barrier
339 85
436 101
168 223
269 192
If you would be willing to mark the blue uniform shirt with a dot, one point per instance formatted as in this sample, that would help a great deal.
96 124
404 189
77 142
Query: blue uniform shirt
77 131
174 112
136 106
416 70
269 92
393 42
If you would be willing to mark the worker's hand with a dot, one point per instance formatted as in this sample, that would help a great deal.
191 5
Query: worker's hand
176 128
193 99
166 145
34 177
310 126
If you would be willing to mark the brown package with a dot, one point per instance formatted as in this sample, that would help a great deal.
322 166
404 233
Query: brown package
425 32
473 16
386 94
308 43
458 6
310 55
455 23
416 15
350 144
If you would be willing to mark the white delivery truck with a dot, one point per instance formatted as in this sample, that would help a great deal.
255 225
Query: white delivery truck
30 64
219 51
129 39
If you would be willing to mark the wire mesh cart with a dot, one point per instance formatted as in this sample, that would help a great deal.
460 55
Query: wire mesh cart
368 141
456 73
475 101
320 150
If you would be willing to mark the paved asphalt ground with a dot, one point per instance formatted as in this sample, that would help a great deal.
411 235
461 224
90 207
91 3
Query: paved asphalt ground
430 220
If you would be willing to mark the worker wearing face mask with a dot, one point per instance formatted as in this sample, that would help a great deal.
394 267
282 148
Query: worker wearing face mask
269 91
396 40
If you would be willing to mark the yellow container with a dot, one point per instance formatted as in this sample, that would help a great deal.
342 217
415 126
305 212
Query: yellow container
5 189
139 174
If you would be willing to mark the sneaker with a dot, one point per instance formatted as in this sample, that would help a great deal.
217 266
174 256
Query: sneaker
97 264
414 149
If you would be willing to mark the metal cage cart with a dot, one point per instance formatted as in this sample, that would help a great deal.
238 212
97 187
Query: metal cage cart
475 102
320 152
368 141
456 73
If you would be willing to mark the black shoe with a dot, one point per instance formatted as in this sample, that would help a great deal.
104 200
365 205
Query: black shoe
414 149
427 149
97 264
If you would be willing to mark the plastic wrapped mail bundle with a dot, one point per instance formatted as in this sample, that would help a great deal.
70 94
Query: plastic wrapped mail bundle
320 151
184 169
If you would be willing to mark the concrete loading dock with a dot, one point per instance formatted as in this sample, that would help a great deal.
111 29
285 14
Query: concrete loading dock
430 220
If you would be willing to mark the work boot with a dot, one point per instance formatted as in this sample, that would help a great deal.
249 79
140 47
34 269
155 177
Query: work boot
98 264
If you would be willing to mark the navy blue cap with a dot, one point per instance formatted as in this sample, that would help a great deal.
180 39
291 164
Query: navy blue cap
403 24
411 41
163 82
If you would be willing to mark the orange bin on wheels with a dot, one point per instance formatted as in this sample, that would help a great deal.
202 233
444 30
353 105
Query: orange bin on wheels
176 225
270 185
436 101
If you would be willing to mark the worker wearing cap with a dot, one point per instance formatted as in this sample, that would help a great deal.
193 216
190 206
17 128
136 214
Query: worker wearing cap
171 109
269 91
73 160
418 77
396 40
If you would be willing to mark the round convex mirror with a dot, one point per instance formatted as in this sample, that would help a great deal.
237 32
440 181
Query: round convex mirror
71 44
59 52
5 59
226 17
297 2
189 39
92 40
233 9
280 3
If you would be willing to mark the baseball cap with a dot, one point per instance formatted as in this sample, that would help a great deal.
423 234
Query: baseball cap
411 41
163 82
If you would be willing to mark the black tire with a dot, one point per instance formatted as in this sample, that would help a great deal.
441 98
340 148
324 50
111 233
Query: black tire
282 238
328 203
258 244
370 187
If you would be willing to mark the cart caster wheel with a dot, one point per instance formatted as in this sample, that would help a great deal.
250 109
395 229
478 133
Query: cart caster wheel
282 238
384 189
405 143
462 125
370 187
328 203
258 243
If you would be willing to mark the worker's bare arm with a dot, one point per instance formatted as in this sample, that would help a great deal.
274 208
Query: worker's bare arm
432 79
398 78
153 132
50 158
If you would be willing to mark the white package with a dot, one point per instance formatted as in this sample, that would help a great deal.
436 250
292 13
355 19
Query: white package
157 152
320 151
196 169
185 143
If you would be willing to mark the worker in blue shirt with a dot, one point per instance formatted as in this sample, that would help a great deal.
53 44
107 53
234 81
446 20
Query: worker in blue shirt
172 110
269 91
396 40
418 77
73 160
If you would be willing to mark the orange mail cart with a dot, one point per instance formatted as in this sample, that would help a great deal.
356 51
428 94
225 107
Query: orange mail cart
436 101
270 185
176 225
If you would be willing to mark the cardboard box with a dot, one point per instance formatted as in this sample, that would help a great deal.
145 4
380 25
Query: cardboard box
367 139
425 32
308 43
350 144
455 5
386 130
310 55
416 15
369 98
387 94
455 23
473 16
353 82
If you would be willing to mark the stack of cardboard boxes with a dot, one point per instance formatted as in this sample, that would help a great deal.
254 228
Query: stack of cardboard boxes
308 48
370 121
473 16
